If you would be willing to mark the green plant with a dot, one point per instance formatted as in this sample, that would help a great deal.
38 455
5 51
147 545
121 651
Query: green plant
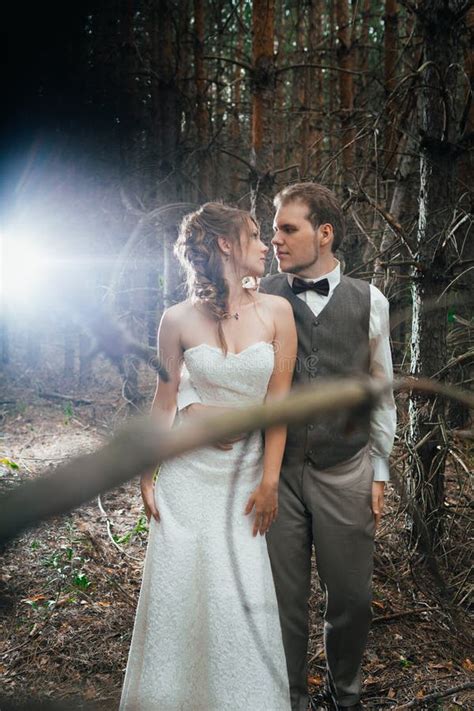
68 412
81 581
53 561
141 526
9 463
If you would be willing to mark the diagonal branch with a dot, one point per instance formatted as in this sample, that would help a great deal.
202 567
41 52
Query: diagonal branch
143 444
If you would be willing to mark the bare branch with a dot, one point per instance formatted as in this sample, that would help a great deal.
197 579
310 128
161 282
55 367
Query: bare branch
395 226
234 62
319 66
239 158
143 444
436 695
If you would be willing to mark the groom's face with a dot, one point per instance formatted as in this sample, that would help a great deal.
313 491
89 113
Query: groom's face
295 240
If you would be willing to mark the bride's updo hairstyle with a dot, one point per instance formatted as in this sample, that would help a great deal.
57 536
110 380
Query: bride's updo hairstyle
198 250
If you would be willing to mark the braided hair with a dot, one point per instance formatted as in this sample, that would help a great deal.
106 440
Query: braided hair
198 251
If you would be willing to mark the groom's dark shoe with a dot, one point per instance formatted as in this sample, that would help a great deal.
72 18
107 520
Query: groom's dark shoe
332 700
334 706
322 702
337 707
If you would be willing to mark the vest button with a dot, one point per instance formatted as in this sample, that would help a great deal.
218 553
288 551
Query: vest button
315 350
310 451
315 323
311 427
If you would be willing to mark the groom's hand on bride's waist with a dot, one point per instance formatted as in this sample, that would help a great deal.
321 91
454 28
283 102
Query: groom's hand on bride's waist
197 409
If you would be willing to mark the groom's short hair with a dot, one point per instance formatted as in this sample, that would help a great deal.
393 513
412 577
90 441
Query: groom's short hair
322 204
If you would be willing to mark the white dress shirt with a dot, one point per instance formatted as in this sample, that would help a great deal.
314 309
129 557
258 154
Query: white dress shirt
384 417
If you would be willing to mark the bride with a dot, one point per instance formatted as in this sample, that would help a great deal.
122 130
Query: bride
207 635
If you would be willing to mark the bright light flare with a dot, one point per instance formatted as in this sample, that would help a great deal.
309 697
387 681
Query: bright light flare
24 269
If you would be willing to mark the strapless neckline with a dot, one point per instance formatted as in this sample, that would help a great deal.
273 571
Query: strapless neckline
229 353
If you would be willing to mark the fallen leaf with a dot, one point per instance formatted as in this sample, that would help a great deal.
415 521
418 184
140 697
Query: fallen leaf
63 600
370 680
315 680
442 665
391 693
90 693
34 598
468 665
377 603
420 694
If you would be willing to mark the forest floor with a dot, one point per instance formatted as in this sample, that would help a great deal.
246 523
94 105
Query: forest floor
68 589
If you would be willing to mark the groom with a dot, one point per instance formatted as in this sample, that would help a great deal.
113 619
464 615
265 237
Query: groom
332 480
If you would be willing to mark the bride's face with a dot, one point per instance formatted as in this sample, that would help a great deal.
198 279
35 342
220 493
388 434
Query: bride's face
250 258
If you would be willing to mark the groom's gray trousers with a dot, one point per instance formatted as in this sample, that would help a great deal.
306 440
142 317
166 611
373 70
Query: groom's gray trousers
331 510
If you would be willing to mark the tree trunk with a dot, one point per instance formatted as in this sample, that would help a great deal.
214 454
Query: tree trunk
363 47
235 130
201 115
402 208
346 82
152 293
85 360
299 106
168 118
69 350
263 97
390 67
330 180
33 346
280 118
459 416
128 365
439 31
4 337
312 134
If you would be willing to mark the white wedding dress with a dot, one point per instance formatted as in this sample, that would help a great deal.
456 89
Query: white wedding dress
207 634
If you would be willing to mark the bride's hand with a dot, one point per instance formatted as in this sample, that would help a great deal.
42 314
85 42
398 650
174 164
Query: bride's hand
196 409
148 496
265 501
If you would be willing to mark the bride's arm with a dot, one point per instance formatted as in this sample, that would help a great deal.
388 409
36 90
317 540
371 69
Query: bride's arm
163 408
265 497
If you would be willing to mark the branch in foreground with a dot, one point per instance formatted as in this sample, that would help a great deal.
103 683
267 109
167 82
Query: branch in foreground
436 695
143 444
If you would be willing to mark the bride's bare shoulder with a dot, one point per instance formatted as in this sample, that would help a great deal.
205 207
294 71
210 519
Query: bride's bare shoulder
178 313
278 305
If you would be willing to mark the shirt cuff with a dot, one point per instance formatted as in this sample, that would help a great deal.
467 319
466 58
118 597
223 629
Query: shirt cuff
381 468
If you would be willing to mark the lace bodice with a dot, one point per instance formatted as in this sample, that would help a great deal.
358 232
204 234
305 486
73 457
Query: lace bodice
232 379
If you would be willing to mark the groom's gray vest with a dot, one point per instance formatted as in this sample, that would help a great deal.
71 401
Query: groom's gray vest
333 344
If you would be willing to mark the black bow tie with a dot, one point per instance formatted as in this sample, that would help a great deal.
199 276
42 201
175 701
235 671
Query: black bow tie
320 287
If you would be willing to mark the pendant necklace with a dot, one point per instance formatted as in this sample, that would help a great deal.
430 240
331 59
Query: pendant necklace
236 316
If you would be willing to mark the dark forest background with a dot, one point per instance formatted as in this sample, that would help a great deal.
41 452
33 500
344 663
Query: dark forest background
119 117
